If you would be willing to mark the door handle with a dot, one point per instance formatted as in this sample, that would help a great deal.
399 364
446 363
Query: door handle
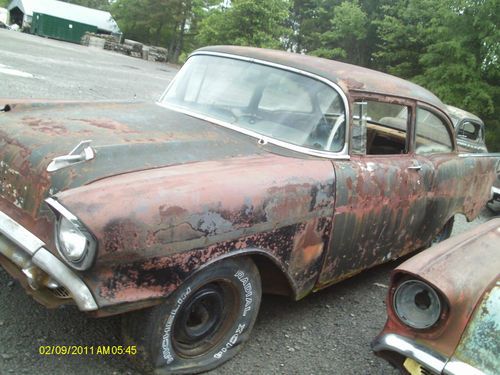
415 167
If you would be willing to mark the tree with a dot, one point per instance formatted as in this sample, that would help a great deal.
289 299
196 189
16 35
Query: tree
259 23
406 29
449 47
95 4
348 29
164 23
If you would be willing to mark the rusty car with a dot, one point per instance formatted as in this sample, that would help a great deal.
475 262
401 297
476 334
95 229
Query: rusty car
443 307
469 128
470 132
257 171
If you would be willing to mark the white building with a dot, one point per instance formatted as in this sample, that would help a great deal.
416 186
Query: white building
21 13
4 16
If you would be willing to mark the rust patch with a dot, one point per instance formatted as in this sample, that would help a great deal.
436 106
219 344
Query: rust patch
106 123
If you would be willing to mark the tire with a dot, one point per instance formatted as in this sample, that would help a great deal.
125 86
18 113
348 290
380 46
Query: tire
445 233
202 324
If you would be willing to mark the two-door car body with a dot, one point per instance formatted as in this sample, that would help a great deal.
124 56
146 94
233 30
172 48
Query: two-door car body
255 168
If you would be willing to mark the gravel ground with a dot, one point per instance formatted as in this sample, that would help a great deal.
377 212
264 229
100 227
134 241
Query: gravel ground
327 332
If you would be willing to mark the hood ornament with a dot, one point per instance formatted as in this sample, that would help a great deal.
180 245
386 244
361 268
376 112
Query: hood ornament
82 152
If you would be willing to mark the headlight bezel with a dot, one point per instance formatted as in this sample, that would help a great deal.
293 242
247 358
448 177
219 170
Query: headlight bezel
88 255
442 304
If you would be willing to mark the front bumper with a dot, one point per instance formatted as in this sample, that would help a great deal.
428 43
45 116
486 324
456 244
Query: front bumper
27 256
433 362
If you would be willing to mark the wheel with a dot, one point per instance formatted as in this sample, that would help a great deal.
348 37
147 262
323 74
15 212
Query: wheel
202 324
445 232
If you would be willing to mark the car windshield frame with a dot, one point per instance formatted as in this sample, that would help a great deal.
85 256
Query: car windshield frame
262 139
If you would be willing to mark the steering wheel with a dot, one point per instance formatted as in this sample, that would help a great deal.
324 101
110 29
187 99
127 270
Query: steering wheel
334 131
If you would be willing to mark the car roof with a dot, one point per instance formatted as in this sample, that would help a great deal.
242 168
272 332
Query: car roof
348 77
461 114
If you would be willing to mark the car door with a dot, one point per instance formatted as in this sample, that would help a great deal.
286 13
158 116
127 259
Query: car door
460 183
381 192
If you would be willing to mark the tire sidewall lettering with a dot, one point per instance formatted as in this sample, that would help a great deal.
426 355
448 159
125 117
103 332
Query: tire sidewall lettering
247 307
167 349
246 281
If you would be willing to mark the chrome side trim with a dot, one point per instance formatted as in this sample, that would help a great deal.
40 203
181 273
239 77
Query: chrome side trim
454 367
342 155
64 276
19 235
479 155
410 349
261 139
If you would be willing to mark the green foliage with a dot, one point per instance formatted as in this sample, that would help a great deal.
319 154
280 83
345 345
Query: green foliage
172 24
4 3
344 38
95 4
451 47
258 23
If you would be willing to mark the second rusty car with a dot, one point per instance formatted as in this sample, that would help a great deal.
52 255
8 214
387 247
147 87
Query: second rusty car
443 308
469 128
257 171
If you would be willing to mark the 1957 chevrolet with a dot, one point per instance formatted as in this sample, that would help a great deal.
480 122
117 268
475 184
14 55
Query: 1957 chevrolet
257 171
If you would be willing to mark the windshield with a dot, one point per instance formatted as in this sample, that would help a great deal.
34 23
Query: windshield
272 102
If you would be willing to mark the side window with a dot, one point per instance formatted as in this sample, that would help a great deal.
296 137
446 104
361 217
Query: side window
432 135
469 130
382 127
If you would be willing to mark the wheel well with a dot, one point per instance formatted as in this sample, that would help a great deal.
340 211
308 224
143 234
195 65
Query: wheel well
274 280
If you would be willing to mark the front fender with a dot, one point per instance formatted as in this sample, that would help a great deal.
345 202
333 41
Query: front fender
155 228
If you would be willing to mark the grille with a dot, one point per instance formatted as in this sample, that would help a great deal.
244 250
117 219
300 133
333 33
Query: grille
61 292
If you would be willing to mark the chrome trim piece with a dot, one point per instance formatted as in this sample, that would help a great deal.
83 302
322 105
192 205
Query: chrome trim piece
82 152
62 210
455 367
88 257
60 272
342 155
19 235
410 349
480 155
37 254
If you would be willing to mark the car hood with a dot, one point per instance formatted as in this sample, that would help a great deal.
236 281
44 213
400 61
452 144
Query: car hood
126 137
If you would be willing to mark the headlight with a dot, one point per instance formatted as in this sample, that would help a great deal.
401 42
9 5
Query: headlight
417 304
71 241
74 242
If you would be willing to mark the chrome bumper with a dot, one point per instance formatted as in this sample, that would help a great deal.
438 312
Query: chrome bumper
30 252
428 358
410 349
